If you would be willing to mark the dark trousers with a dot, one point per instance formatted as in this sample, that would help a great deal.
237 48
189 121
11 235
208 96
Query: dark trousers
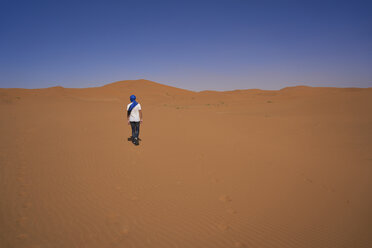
135 129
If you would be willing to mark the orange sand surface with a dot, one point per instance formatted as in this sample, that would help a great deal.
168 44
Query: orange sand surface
244 168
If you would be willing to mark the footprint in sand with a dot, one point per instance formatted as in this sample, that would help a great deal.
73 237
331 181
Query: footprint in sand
112 218
124 231
215 180
223 227
24 185
308 180
22 193
120 236
134 198
328 189
21 221
231 211
22 236
20 179
21 173
225 198
26 205
238 244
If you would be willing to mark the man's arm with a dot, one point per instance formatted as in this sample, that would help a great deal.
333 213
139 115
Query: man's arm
140 113
127 116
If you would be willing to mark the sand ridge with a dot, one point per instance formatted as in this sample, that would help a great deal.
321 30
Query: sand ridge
245 168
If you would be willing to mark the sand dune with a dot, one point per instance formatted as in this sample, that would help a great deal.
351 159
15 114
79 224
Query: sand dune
245 168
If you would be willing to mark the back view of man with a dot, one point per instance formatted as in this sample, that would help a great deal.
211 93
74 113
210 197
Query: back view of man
134 116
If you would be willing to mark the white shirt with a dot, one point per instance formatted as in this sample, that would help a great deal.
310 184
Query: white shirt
134 115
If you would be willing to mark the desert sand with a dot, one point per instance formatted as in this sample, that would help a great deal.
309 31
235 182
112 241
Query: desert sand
244 168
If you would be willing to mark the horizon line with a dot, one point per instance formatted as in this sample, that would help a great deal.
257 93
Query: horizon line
143 79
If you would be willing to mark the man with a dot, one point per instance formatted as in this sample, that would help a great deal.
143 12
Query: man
134 116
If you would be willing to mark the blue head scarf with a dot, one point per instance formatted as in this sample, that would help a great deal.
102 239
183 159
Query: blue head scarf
134 103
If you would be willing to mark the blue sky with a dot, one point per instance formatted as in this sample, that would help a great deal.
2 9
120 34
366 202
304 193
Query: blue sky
197 45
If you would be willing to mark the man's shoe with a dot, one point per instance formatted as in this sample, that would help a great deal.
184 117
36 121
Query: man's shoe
136 141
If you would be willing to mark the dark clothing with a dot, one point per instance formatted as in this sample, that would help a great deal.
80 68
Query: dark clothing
135 129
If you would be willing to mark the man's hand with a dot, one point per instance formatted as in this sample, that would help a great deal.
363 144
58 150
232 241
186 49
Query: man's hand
141 121
128 122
